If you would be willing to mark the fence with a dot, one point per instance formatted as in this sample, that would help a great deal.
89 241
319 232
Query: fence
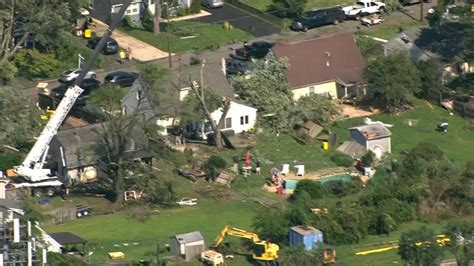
464 107
269 18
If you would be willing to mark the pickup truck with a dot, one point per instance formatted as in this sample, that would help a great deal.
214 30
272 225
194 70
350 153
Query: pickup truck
363 8
256 50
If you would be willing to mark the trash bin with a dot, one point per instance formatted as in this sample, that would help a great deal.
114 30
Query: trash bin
88 33
325 145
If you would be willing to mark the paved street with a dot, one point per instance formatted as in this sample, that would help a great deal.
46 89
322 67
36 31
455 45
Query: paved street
240 20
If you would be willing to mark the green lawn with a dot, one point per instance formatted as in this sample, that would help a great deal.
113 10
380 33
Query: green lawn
457 143
388 32
111 232
312 4
188 36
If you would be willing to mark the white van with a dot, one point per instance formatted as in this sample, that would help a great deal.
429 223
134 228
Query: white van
212 3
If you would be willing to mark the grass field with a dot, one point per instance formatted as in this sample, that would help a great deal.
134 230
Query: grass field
188 36
265 4
457 143
111 232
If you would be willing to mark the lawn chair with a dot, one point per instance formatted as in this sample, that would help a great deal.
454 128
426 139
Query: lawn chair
286 169
299 170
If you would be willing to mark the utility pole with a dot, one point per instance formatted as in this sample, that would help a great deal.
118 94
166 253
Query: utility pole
168 29
422 17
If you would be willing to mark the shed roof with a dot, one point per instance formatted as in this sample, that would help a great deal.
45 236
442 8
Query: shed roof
189 237
66 238
305 230
322 59
352 148
373 131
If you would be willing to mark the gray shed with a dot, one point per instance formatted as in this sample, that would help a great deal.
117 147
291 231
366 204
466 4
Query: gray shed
187 246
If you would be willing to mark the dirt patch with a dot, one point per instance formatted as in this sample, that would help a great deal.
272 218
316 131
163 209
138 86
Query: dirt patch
349 111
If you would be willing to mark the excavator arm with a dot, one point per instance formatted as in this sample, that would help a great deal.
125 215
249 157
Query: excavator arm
268 251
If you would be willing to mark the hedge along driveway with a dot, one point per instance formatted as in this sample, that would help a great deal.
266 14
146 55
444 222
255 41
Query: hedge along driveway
188 36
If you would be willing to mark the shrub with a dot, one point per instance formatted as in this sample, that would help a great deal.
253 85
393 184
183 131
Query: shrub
183 11
367 159
217 162
196 6
8 160
147 21
164 195
194 61
139 213
342 159
127 22
7 71
314 189
33 64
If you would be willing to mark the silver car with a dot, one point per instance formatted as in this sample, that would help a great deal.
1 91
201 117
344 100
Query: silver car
212 3
72 74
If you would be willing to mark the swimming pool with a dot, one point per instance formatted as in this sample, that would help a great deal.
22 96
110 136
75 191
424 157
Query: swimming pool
291 184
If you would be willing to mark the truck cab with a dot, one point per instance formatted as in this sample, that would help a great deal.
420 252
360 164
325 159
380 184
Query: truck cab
363 8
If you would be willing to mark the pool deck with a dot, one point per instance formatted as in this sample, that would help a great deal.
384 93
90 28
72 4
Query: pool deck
320 174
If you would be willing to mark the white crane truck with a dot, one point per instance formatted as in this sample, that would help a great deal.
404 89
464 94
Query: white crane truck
32 172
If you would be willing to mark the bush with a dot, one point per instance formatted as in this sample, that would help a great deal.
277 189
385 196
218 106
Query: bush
183 11
8 160
194 61
164 195
127 22
147 21
314 189
139 213
7 71
196 6
217 162
367 159
33 64
342 159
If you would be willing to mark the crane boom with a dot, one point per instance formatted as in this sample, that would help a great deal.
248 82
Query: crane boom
32 166
232 231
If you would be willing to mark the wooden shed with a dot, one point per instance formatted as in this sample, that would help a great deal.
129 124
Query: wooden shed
308 130
187 246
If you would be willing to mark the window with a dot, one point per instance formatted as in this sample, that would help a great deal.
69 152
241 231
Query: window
139 95
244 120
128 11
311 91
228 122
134 10
241 120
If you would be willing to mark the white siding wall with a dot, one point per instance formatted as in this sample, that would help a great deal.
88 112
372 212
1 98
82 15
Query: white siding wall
243 117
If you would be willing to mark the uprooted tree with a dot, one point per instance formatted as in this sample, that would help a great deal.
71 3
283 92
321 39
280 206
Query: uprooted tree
201 103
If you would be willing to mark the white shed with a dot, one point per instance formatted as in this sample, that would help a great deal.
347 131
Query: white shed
187 246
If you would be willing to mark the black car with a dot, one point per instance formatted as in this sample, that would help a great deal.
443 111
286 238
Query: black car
235 66
256 50
88 85
121 78
320 17
110 47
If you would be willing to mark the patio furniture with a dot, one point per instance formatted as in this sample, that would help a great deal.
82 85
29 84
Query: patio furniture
299 170
286 169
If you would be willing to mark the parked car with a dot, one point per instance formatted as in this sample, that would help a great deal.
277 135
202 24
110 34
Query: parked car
212 3
256 50
110 47
235 66
319 17
363 8
121 78
88 85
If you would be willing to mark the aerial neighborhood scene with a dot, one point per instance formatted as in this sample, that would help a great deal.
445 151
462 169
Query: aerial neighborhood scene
237 132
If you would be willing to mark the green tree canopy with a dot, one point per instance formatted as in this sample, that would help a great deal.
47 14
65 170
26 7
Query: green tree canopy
419 247
288 8
317 108
268 90
391 81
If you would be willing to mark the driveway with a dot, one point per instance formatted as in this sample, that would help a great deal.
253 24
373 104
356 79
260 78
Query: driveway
240 20
141 51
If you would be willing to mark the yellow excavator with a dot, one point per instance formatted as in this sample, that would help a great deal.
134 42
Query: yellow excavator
265 251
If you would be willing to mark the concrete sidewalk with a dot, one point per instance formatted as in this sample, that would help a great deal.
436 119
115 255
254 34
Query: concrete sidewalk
141 51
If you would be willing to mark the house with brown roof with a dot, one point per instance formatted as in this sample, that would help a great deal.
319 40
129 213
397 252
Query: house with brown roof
331 66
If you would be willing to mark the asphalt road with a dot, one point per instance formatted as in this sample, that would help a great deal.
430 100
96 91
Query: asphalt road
240 20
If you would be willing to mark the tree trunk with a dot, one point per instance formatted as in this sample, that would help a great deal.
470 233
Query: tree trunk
219 126
156 18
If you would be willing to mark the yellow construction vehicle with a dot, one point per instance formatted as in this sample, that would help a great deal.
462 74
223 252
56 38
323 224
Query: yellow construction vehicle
265 251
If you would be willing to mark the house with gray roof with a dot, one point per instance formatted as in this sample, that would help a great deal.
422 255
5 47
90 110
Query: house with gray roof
187 246
79 156
374 137
404 42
